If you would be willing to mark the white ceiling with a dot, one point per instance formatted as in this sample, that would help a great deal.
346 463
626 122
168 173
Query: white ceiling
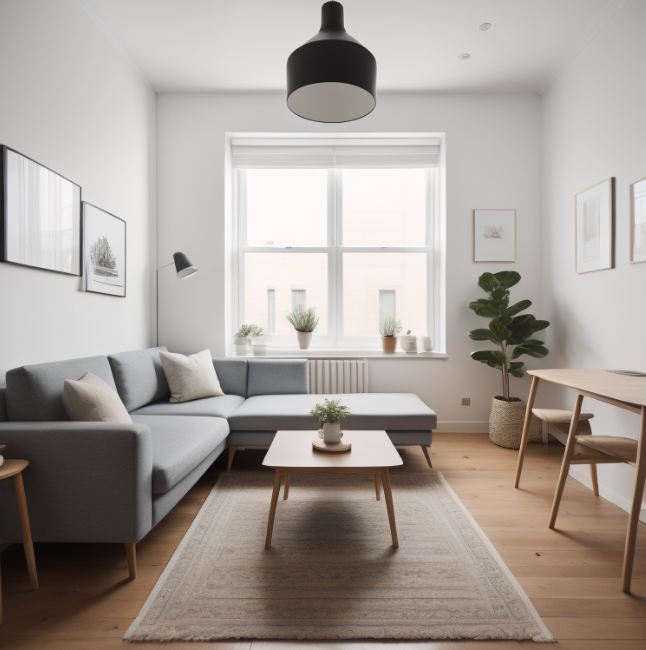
243 45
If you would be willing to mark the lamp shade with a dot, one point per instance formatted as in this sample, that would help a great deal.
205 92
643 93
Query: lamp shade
183 266
332 78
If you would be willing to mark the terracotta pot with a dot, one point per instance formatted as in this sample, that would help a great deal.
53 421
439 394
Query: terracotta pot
506 423
388 344
304 339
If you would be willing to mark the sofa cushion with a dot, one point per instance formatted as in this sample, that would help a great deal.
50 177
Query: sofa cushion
35 393
3 404
220 407
389 411
90 399
232 375
139 377
180 444
277 377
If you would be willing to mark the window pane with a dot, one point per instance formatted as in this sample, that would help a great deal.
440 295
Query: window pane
298 298
281 275
271 311
387 305
286 207
384 207
368 276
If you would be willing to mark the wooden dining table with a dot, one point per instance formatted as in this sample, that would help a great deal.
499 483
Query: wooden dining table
623 391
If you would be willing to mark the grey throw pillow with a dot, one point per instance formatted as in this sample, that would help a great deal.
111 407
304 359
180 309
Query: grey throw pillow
191 377
90 399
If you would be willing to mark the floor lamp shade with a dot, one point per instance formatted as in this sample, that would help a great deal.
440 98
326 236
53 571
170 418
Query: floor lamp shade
183 266
332 78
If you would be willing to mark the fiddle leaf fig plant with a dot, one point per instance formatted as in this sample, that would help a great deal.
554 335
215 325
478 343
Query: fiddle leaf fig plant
511 332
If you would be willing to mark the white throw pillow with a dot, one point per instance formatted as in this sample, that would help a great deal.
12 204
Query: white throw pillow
90 399
191 377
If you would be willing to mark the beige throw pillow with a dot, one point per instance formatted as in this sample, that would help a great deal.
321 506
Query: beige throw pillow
191 377
90 399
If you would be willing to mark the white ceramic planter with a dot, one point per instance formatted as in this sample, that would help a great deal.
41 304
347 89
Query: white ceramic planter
332 432
304 339
427 342
259 345
242 347
408 343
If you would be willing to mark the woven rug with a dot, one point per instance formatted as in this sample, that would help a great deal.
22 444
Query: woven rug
332 572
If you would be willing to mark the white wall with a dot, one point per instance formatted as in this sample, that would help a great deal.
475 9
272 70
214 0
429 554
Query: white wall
493 161
593 128
71 102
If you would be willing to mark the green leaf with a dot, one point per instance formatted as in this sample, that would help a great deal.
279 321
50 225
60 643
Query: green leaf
500 332
518 307
488 282
484 308
482 335
538 351
499 294
492 358
522 327
507 279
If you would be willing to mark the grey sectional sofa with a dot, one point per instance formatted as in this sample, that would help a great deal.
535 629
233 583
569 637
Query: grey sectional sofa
101 482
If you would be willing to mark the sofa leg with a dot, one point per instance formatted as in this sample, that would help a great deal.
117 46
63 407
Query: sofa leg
232 452
428 458
131 555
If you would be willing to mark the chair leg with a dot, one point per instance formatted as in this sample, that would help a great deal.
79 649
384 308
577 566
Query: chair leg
131 556
428 458
593 477
232 452
567 457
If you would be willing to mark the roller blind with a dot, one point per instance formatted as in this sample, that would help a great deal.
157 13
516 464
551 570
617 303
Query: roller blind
381 156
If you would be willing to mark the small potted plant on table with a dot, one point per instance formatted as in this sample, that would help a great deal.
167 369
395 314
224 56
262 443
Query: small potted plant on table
304 321
330 415
389 328
242 338
512 333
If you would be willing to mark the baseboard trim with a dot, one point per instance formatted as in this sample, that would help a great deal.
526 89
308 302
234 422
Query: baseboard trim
462 426
606 493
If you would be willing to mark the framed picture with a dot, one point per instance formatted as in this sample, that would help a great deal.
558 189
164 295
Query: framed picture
105 251
595 228
638 222
40 216
494 235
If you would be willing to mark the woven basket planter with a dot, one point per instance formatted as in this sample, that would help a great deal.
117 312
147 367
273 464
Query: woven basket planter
506 423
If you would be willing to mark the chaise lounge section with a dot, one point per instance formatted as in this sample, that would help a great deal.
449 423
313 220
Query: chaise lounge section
103 482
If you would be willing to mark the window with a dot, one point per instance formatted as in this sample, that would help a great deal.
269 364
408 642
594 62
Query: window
351 231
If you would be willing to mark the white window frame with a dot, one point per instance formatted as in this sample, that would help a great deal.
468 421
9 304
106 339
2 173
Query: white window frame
434 249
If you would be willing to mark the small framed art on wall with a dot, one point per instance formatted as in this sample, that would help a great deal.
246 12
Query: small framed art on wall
494 235
638 221
594 228
105 251
40 216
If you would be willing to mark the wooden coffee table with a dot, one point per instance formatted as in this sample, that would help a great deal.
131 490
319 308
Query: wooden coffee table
372 452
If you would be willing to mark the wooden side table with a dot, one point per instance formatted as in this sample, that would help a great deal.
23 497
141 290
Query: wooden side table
12 468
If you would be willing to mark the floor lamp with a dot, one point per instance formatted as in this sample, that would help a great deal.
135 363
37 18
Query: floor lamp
184 269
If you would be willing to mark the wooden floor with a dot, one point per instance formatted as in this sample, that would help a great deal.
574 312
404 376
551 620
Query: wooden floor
571 574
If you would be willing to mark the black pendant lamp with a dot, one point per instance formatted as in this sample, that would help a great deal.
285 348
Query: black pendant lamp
332 78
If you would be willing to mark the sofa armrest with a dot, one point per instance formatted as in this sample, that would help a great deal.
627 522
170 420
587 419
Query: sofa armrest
86 481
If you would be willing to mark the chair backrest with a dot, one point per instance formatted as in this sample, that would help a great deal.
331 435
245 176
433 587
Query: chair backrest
139 377
35 392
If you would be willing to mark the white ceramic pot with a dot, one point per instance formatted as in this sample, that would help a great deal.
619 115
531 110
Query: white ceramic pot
259 345
331 432
304 339
408 343
242 347
427 342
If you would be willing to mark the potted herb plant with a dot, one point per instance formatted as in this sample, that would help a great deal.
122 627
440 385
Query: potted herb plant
304 321
389 328
242 338
330 415
512 333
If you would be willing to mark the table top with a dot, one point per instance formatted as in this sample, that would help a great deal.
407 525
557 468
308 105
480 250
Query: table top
11 467
369 449
631 390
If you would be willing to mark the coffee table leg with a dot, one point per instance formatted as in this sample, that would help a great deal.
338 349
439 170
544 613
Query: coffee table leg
19 491
286 490
390 507
272 509
377 487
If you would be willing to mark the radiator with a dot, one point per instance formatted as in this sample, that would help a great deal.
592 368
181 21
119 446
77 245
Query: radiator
331 376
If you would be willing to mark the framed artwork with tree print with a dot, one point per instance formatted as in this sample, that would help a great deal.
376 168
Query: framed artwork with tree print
105 251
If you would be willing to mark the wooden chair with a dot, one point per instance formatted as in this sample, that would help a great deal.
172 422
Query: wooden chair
557 423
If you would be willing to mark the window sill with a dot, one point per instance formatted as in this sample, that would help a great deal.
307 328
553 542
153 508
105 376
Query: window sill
336 354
